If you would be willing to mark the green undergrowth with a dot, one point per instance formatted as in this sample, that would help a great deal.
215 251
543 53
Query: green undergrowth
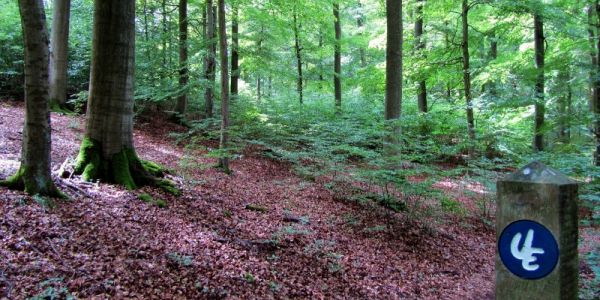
144 197
349 150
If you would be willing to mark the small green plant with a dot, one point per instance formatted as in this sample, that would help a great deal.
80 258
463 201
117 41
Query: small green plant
45 202
54 290
145 197
334 264
180 260
274 286
161 203
248 277
450 205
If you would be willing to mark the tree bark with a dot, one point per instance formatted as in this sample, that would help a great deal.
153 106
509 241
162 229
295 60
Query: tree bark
360 23
596 102
592 37
564 108
59 48
393 70
209 60
224 160
337 64
34 175
165 32
107 152
298 50
183 60
235 72
540 106
467 77
493 55
420 46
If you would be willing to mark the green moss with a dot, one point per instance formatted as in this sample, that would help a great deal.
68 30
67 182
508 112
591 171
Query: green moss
14 182
145 197
153 168
89 159
161 203
168 186
32 184
120 169
124 168
61 109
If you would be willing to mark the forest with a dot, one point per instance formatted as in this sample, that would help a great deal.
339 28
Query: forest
276 149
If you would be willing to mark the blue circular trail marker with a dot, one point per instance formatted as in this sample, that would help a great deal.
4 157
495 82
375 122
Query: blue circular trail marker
528 249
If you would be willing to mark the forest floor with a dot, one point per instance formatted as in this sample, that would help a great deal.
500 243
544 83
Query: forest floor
260 233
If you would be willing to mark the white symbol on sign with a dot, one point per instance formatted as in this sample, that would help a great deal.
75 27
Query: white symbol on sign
526 252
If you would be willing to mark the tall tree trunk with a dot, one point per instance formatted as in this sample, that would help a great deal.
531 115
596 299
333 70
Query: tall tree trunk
321 78
420 46
592 37
393 69
183 60
59 48
540 105
360 20
235 72
491 86
224 160
564 108
146 31
34 175
107 152
209 60
337 60
258 77
298 49
467 77
596 102
164 33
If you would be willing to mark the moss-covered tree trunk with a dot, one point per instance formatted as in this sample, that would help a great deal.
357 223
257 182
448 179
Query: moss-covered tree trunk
34 175
107 152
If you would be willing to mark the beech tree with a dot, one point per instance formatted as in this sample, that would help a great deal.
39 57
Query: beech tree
297 27
467 76
34 175
224 160
393 69
209 60
419 47
183 59
235 72
107 151
540 106
59 46
337 61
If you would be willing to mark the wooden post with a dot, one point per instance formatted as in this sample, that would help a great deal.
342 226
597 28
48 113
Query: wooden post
536 219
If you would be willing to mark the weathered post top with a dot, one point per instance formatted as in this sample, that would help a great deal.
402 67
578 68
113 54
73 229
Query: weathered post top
536 219
537 172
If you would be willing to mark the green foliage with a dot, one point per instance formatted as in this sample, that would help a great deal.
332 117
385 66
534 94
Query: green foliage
180 259
54 290
145 197
248 277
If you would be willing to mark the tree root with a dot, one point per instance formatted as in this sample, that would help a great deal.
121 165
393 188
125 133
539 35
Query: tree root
123 168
